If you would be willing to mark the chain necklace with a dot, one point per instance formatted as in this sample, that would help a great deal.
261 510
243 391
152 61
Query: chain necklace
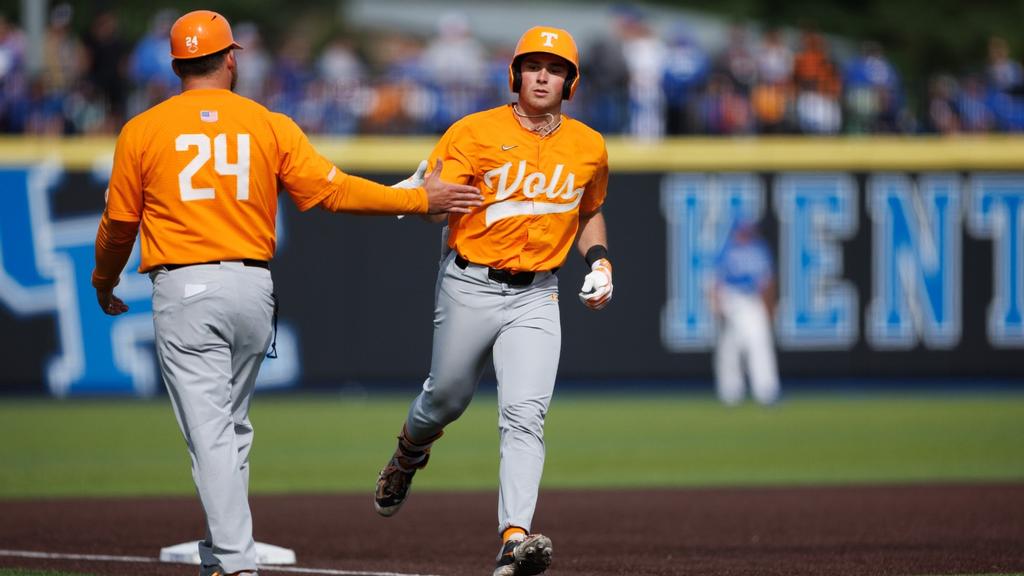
551 126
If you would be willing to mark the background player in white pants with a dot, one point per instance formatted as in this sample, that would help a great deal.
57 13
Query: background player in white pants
544 178
744 298
199 175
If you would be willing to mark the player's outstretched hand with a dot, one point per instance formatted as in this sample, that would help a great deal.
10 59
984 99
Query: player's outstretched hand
597 286
109 303
447 197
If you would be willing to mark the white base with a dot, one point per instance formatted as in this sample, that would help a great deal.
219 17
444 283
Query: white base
188 553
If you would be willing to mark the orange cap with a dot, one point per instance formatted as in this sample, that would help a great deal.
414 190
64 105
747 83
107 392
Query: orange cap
200 33
549 41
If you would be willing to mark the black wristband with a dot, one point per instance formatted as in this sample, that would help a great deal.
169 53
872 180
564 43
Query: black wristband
595 253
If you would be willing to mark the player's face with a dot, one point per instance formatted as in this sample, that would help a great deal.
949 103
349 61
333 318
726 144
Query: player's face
543 78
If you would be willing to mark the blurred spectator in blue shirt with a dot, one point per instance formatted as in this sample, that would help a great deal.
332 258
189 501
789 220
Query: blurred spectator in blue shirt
873 97
686 70
150 64
973 106
291 78
1004 73
605 92
40 111
1006 84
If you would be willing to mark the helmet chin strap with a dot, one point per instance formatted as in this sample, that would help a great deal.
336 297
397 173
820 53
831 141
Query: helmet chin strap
551 126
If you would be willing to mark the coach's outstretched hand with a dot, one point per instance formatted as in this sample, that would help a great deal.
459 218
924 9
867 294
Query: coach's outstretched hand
447 197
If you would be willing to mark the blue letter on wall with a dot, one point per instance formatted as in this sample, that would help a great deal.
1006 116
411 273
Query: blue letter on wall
916 261
816 309
700 210
997 212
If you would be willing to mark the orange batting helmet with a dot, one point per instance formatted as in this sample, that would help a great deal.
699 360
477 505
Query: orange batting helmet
549 41
200 33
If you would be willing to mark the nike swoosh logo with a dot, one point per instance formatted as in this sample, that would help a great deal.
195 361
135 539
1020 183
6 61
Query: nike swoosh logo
507 148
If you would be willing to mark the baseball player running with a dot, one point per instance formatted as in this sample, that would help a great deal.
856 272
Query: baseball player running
199 174
544 178
744 296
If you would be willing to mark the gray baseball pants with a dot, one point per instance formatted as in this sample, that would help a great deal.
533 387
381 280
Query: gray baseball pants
213 327
519 326
745 338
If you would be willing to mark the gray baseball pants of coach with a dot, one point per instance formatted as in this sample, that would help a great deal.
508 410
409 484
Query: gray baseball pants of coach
213 327
520 328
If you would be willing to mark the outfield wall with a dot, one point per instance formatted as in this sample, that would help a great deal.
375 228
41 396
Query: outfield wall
897 258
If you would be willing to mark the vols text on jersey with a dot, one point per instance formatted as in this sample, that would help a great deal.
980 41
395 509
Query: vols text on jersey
531 186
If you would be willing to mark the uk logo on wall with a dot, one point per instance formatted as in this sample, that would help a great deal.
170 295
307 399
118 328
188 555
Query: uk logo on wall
46 265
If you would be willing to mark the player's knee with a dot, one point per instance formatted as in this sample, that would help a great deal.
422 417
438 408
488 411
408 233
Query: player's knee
449 408
524 417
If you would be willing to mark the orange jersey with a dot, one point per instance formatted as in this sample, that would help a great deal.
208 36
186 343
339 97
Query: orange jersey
201 172
534 188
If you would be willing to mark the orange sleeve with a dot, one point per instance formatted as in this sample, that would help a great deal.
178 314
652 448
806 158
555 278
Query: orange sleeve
360 196
308 176
124 193
456 150
597 189
114 241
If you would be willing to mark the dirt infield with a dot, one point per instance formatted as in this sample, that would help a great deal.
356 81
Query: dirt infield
880 530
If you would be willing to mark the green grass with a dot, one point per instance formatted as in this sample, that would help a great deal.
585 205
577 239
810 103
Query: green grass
335 443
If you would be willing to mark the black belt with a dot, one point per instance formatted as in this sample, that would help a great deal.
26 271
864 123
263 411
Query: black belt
503 276
246 261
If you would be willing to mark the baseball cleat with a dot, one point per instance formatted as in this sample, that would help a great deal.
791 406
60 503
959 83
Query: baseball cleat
524 557
395 479
393 486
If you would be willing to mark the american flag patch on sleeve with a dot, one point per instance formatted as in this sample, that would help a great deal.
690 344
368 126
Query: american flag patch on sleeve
208 115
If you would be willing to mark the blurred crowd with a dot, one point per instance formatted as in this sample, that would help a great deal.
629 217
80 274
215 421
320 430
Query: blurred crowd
635 81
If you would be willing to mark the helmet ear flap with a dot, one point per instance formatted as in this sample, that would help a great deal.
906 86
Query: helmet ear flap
517 75
570 81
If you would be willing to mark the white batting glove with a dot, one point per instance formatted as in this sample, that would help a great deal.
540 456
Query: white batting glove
597 286
414 181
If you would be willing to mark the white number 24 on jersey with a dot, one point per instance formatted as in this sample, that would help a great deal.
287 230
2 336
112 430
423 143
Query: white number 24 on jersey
240 169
